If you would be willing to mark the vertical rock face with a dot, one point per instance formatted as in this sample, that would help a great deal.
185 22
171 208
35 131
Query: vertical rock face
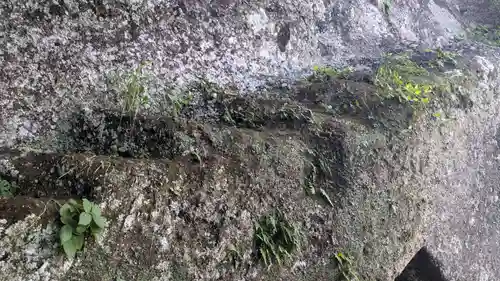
58 54
216 155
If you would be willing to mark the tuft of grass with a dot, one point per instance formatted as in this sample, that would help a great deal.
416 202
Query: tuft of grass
486 34
321 73
310 182
234 256
7 189
405 80
345 264
276 239
384 6
133 90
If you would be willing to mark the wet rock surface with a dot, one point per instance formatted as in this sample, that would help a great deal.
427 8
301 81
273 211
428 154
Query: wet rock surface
190 122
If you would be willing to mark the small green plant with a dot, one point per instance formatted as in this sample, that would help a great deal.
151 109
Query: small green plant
326 72
234 256
7 189
310 184
403 79
177 102
80 219
444 55
437 115
345 265
487 34
133 90
385 6
441 57
276 239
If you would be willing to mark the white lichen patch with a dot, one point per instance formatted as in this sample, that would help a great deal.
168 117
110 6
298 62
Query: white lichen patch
177 185
258 20
136 206
31 251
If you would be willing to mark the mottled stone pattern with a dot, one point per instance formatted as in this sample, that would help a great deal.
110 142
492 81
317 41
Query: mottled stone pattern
60 54
183 186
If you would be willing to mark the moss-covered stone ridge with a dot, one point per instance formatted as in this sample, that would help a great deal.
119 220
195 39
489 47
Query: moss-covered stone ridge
347 168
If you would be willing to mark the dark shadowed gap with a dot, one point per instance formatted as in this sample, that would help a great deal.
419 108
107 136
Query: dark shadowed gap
422 267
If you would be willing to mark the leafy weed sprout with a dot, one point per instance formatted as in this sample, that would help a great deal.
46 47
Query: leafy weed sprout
80 219
7 189
276 239
176 102
445 56
441 58
401 78
345 265
234 256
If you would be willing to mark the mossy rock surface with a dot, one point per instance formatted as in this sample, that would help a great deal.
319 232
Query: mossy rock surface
183 192
227 126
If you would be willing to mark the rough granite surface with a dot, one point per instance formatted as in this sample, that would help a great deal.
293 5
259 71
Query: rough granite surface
61 54
180 192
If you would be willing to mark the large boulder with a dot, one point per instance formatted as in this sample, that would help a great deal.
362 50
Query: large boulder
211 133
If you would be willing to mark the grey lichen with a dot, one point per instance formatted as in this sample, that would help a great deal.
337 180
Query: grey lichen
31 250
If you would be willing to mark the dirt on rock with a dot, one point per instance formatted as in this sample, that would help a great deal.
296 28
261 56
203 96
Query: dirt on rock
182 193
272 178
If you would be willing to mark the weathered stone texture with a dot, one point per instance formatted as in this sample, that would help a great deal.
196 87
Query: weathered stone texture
181 187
